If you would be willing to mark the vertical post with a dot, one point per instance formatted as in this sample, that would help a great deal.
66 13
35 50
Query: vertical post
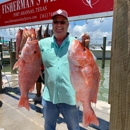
104 52
10 45
119 86
14 46
12 61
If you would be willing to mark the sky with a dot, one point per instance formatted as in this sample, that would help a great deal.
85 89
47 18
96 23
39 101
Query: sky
96 28
1 1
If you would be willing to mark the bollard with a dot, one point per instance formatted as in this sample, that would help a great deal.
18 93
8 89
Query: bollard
12 61
104 52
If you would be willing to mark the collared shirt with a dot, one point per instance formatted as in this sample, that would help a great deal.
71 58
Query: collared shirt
58 87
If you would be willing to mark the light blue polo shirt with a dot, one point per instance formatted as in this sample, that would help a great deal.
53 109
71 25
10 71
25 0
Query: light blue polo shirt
58 88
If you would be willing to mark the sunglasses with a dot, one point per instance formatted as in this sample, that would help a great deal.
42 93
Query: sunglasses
61 22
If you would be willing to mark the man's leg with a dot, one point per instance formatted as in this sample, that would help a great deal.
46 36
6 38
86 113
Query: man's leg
39 83
70 114
51 114
38 92
38 88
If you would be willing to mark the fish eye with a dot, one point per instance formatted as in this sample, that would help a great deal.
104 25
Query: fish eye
35 51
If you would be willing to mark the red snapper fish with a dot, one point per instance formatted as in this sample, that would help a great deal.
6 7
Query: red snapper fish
85 78
28 66
27 33
18 42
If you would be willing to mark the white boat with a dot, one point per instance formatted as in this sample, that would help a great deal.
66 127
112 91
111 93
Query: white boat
97 50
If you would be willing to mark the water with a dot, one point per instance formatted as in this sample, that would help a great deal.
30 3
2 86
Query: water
104 81
6 68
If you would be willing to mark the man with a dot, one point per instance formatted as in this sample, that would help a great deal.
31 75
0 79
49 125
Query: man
59 95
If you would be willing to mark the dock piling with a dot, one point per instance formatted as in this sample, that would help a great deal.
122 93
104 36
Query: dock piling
12 61
104 52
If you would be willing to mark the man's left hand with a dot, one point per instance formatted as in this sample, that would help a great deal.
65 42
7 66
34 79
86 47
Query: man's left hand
86 40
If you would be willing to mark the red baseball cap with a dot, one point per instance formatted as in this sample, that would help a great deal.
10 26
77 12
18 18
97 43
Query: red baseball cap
60 12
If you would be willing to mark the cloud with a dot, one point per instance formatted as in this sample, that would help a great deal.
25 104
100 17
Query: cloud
77 30
96 28
97 36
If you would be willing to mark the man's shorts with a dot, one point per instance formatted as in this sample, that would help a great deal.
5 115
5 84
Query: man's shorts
41 78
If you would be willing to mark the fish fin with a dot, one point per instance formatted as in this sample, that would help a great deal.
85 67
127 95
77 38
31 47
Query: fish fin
31 89
89 117
18 63
23 102
15 65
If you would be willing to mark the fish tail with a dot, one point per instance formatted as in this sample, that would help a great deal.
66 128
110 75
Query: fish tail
23 102
89 117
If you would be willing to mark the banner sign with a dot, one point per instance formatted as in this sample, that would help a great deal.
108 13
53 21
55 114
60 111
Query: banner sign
17 12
